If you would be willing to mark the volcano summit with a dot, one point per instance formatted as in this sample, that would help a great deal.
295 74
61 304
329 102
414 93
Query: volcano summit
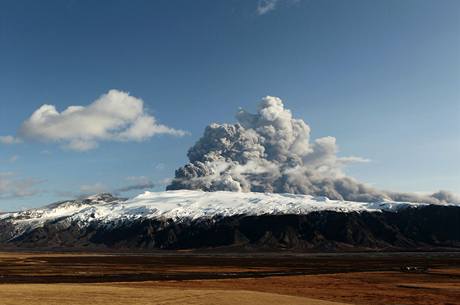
232 220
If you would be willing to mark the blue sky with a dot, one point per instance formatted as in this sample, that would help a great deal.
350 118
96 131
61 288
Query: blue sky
382 77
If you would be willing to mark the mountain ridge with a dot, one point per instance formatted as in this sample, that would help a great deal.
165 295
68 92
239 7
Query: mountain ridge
196 220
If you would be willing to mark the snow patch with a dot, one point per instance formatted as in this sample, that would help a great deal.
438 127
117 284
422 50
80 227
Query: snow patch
191 204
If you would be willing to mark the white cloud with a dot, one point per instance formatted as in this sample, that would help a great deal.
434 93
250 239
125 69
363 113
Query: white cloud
132 183
13 158
135 183
115 116
265 6
91 189
353 159
81 145
8 140
12 186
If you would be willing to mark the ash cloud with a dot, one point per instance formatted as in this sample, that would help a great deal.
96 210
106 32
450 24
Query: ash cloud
135 184
271 151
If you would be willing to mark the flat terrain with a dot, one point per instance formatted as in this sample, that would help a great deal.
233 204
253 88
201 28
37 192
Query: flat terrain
200 278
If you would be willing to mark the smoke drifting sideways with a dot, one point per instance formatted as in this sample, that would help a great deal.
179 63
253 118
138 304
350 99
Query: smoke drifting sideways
271 151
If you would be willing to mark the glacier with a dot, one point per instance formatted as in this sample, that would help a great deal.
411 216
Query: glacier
189 219
193 204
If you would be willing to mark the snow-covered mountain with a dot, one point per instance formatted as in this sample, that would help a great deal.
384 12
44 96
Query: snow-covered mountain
143 220
187 204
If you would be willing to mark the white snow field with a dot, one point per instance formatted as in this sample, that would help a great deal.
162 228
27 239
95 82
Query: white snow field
190 205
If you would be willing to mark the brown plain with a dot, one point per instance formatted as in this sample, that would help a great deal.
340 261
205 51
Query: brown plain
191 278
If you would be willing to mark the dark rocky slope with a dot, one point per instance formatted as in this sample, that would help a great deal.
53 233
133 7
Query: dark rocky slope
428 227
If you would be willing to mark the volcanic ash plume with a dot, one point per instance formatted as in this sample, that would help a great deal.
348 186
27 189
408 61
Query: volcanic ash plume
271 151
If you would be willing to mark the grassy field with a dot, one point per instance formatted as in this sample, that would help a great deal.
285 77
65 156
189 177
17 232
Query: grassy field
127 294
178 278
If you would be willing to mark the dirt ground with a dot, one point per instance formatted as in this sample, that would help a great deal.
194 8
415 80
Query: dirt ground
187 278
95 294
435 287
